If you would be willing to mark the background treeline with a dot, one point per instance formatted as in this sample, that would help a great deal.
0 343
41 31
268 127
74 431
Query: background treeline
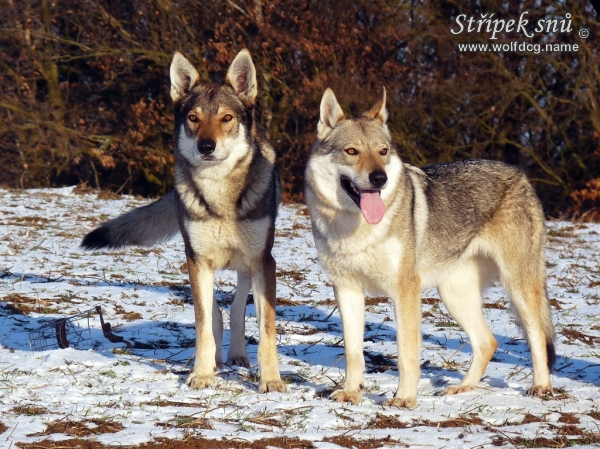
85 86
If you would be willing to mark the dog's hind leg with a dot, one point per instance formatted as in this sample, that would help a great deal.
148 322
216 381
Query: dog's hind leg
217 323
461 294
533 312
516 234
237 354
522 274
263 287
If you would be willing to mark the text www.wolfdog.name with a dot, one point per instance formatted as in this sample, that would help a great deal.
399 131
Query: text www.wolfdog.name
517 46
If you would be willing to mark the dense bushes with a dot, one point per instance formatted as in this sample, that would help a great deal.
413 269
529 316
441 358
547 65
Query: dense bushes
85 89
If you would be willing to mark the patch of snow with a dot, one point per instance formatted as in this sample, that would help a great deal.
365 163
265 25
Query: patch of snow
144 294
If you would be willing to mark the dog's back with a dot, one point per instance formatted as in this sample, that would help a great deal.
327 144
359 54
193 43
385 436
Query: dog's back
471 198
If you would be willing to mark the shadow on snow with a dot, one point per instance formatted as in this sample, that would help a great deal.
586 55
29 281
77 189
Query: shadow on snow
168 343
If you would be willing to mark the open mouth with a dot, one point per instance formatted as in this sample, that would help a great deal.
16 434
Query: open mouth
368 201
351 190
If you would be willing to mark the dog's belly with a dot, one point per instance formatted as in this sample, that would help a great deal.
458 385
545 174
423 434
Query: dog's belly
229 244
376 267
435 267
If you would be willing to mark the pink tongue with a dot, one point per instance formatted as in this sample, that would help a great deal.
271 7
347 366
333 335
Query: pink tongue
372 206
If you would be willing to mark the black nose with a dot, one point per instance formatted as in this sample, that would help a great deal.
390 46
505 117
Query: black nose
206 146
378 178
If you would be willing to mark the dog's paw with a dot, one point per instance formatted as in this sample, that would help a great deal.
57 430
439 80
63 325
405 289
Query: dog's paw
353 397
239 360
402 402
273 385
456 389
540 391
198 381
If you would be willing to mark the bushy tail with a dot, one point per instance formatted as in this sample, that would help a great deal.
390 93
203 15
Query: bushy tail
144 226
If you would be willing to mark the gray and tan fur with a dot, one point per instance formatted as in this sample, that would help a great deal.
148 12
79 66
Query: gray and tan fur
393 229
224 204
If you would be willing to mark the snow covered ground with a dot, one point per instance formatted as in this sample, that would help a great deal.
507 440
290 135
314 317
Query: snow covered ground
116 396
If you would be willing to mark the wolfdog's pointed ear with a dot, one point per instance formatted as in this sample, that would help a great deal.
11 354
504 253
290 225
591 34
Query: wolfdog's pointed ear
183 76
331 114
242 77
379 110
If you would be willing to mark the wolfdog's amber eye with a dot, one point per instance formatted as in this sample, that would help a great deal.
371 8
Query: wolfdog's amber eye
228 118
384 152
351 151
193 118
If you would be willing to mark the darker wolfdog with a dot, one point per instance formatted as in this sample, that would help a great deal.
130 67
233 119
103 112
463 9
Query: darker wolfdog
224 204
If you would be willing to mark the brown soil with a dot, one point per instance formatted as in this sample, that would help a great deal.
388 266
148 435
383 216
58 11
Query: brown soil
28 410
286 302
349 442
305 330
568 419
81 428
387 422
129 316
375 301
165 403
296 275
29 221
23 305
188 422
560 441
390 422
531 418
574 334
462 421
564 436
572 431
494 305
188 443
556 303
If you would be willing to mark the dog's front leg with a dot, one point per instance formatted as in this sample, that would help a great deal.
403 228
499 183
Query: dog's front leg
263 287
407 308
202 277
350 299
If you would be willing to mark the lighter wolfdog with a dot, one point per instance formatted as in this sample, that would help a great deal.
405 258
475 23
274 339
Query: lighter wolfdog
392 229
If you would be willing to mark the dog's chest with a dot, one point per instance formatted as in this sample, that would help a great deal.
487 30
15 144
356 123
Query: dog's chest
374 265
228 243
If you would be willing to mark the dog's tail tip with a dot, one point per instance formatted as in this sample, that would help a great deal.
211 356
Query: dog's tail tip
97 239
551 354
